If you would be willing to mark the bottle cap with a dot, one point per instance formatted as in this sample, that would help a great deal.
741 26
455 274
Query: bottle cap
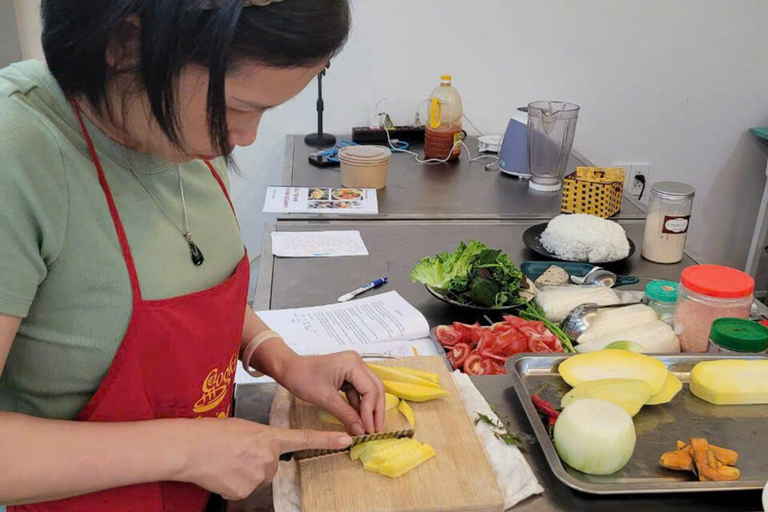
445 79
662 291
718 281
739 335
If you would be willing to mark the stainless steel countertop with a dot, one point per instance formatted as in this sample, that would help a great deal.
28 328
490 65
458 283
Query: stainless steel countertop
395 247
457 190
253 402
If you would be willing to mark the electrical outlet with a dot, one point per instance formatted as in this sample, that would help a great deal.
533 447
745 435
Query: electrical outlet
635 187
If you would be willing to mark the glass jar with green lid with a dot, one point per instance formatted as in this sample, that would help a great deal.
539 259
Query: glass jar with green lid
661 296
737 336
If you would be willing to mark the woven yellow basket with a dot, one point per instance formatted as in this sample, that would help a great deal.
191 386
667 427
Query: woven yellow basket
593 190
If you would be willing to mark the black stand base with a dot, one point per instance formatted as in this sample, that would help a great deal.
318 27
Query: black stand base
319 140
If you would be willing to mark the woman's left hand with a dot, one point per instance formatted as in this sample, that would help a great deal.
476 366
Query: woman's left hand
318 380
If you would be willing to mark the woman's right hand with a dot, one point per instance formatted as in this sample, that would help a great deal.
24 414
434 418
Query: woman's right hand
232 457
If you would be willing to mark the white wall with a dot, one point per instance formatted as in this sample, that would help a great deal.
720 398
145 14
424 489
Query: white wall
9 37
28 21
676 83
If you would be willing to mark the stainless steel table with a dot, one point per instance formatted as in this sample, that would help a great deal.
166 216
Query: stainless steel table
395 247
253 401
457 190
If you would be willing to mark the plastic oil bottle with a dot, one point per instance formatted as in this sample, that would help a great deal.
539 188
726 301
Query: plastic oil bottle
443 129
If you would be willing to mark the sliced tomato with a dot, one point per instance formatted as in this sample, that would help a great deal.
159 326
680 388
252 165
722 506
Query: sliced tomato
466 330
448 336
472 366
498 368
460 353
486 367
515 320
512 342
487 339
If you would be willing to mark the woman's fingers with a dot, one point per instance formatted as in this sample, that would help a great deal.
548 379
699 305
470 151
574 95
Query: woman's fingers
353 397
372 394
346 414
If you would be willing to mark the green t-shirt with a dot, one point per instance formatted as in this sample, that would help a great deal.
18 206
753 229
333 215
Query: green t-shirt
61 268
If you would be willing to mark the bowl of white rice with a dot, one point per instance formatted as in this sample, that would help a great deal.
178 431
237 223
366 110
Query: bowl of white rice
580 237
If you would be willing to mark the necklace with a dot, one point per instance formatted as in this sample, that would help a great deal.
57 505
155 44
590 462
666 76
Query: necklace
194 251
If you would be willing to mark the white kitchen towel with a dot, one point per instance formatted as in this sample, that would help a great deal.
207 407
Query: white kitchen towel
513 474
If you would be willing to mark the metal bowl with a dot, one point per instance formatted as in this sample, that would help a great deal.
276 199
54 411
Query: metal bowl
529 294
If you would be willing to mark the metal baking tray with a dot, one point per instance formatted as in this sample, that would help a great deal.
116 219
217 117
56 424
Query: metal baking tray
743 428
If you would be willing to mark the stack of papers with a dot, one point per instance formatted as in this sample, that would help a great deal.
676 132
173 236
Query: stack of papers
384 324
359 201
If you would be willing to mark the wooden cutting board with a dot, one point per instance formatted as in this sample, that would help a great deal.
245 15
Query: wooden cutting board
458 479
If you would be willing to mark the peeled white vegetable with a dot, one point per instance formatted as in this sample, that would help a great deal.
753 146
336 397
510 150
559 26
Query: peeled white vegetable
655 337
595 436
609 321
558 301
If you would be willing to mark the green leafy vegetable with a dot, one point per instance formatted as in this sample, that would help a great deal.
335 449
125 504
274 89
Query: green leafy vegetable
473 275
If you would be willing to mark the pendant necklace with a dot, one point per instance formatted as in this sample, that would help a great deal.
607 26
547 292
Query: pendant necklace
194 251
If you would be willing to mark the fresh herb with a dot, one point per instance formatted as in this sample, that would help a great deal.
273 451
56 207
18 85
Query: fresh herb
473 275
533 311
501 431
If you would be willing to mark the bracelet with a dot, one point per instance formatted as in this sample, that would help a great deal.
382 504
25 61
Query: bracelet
250 349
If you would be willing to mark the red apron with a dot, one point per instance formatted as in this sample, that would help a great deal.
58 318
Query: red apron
177 360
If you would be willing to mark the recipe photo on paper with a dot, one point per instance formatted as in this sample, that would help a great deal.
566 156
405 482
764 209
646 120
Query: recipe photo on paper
321 200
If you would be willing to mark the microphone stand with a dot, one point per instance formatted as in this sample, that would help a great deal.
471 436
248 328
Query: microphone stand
320 139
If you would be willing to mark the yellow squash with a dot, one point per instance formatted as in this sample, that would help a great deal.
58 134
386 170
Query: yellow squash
371 447
613 364
399 374
672 387
413 392
629 394
731 381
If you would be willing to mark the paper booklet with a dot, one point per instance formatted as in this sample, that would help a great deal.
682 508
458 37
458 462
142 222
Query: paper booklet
359 201
382 324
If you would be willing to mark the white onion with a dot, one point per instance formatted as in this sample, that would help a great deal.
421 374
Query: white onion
595 436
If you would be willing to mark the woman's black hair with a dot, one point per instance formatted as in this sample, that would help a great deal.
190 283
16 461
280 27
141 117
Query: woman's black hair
217 34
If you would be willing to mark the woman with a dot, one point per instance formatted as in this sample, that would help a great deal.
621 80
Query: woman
122 275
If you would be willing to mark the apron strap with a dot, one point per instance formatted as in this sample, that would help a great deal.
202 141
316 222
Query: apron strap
127 256
221 184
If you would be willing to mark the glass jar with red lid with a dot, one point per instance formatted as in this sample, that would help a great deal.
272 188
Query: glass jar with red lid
706 293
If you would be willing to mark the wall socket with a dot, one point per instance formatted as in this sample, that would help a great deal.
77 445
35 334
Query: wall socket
633 186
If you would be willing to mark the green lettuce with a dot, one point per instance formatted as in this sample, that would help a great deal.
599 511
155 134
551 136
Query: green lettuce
473 274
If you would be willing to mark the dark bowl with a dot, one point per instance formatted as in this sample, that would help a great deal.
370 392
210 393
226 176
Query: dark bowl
530 294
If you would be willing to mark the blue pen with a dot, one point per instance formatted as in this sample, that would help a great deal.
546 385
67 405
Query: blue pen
362 289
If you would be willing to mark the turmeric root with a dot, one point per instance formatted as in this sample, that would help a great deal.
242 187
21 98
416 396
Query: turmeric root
707 465
709 462
680 460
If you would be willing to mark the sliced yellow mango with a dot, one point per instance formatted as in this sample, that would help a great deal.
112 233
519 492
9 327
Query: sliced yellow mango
672 386
430 376
397 374
406 411
369 452
392 452
326 417
613 364
396 468
392 401
356 450
413 392
731 381
629 394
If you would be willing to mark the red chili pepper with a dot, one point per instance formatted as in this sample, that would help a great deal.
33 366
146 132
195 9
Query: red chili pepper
545 407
